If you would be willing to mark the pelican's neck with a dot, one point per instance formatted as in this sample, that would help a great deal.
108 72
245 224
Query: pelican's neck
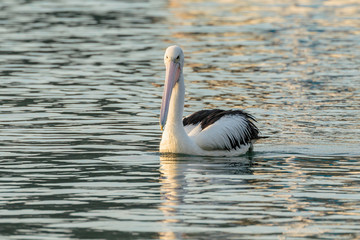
176 106
175 138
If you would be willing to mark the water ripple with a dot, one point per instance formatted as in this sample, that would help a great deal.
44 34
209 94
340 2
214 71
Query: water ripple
80 89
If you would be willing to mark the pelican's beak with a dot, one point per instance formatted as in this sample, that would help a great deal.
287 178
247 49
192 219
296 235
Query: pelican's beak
172 76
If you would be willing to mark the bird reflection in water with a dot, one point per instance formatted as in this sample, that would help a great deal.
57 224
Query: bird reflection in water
184 179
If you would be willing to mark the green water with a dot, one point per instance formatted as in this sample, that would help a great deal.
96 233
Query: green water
80 92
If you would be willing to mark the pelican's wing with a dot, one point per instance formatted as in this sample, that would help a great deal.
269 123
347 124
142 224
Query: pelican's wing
189 128
193 121
222 130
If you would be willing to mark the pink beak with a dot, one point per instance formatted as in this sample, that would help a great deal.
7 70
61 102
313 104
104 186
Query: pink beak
172 76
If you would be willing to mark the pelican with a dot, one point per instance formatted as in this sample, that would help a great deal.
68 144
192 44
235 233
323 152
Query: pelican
207 132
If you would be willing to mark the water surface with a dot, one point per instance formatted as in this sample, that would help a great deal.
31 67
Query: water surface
80 90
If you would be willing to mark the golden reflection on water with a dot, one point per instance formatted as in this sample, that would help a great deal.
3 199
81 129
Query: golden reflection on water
290 60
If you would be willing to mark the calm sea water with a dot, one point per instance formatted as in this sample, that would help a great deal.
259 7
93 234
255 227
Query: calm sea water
80 91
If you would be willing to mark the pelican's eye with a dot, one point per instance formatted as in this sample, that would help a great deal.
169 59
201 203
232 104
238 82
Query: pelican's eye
178 57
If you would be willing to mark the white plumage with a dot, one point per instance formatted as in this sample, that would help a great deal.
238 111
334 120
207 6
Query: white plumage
207 132
217 135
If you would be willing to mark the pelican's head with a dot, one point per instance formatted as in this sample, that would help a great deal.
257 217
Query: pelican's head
174 62
174 54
